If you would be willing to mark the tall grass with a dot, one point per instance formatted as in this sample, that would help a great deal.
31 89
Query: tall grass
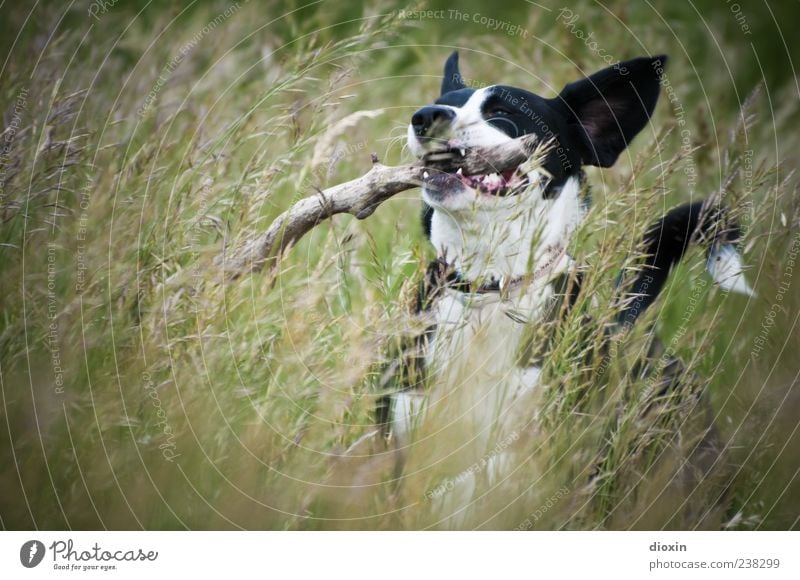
140 389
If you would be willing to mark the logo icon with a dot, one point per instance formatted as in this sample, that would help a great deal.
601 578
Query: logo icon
31 553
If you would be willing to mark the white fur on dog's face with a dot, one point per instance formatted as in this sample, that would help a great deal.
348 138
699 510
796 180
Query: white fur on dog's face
508 237
469 129
487 236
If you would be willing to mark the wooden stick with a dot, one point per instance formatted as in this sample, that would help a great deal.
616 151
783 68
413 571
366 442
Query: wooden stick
361 197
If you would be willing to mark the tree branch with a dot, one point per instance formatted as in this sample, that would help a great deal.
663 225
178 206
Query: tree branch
361 197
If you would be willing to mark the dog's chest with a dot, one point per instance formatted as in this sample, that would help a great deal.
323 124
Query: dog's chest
474 354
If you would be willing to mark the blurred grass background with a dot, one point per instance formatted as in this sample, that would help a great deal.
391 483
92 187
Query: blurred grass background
142 390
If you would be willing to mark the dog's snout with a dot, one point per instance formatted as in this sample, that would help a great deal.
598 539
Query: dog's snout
427 119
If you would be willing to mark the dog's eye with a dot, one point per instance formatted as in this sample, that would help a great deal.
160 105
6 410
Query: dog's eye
499 111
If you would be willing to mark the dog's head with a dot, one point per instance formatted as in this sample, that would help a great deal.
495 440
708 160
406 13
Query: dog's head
486 224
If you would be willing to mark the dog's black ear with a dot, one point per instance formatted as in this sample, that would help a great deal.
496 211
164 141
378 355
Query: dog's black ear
452 80
606 110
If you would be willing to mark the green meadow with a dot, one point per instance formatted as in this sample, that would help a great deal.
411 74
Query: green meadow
142 388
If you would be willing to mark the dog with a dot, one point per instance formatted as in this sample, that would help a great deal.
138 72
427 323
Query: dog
502 239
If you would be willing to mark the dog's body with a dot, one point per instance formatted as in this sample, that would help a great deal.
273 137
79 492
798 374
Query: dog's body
501 239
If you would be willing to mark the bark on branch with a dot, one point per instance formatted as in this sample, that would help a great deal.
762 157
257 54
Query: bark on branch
361 197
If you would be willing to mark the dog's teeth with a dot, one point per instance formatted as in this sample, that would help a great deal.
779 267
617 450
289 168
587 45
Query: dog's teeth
463 152
425 175
460 171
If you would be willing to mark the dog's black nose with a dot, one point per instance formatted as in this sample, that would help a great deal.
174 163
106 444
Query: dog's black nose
428 118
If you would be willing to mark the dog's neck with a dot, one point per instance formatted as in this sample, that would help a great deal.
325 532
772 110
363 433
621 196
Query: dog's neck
524 236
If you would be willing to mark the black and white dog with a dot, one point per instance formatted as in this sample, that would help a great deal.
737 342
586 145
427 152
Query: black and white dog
501 239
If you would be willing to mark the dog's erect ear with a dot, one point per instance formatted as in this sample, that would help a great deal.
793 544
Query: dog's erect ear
452 80
606 110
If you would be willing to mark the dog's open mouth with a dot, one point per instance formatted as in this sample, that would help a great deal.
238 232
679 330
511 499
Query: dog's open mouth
445 172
